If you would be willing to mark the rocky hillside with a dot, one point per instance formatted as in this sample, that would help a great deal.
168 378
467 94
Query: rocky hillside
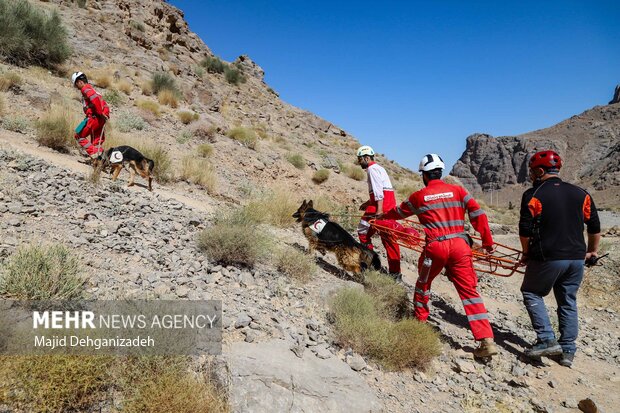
589 144
120 44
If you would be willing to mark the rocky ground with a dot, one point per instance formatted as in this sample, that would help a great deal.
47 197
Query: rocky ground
278 345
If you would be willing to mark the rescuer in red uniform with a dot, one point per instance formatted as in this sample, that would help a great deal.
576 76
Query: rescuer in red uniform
90 134
381 198
441 207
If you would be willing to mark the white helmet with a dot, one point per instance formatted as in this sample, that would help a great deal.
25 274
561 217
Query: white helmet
76 76
430 162
365 151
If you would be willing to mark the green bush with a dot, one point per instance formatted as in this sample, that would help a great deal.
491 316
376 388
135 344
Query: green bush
161 81
127 122
297 160
213 64
113 97
391 295
247 137
360 324
320 176
234 76
234 240
42 273
28 35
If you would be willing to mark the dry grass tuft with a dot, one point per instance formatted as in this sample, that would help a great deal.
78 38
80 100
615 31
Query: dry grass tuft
199 172
204 131
275 207
246 136
297 160
42 273
9 80
55 129
2 104
234 240
320 176
124 86
149 106
205 150
295 264
187 117
359 323
101 78
168 97
147 88
355 172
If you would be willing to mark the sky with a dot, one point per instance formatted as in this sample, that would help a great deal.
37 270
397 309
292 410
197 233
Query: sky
417 77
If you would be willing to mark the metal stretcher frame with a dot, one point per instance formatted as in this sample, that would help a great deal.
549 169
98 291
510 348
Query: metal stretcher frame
504 262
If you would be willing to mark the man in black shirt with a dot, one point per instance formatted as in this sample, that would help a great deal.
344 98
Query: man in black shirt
553 214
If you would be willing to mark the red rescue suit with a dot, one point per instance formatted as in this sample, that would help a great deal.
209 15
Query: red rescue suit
378 180
97 112
440 207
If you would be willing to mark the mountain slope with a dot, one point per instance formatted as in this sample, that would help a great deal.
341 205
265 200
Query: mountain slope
589 144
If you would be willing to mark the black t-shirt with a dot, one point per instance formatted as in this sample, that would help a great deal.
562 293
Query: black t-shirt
553 214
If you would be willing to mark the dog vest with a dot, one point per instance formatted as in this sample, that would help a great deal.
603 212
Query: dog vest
318 225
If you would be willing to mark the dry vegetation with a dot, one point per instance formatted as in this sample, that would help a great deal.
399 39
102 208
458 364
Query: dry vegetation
199 172
42 273
234 240
320 176
295 264
246 136
55 129
168 97
274 207
9 80
367 322
149 106
205 150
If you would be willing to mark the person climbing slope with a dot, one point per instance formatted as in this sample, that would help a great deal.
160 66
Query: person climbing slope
90 134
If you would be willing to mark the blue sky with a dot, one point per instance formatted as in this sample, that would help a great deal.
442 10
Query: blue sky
413 77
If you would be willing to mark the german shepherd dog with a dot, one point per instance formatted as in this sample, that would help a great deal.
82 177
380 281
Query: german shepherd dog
324 236
122 156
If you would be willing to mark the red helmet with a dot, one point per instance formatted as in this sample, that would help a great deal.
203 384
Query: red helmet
546 159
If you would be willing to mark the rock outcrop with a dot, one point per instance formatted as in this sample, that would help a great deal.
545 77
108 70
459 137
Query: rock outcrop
616 98
589 144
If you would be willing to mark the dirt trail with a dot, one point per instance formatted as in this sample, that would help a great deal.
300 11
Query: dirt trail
24 144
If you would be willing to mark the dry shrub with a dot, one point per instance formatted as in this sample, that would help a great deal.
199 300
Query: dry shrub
9 80
204 131
101 78
403 190
295 264
320 176
247 137
274 207
297 160
205 150
234 240
199 172
150 106
355 172
187 117
395 345
2 104
56 130
176 391
124 86
168 97
42 273
147 88
54 383
391 295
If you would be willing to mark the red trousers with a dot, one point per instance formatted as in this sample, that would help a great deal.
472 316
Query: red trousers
93 130
454 255
365 233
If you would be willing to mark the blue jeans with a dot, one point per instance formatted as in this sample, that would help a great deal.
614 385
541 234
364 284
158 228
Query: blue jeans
564 277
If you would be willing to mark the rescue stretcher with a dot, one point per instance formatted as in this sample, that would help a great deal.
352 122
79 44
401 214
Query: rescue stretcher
504 262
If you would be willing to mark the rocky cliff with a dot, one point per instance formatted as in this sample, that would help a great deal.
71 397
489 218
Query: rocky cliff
589 144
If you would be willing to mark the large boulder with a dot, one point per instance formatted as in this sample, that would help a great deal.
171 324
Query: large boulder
268 377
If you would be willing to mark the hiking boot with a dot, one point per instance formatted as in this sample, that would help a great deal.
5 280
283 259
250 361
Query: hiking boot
544 348
487 348
567 359
398 277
